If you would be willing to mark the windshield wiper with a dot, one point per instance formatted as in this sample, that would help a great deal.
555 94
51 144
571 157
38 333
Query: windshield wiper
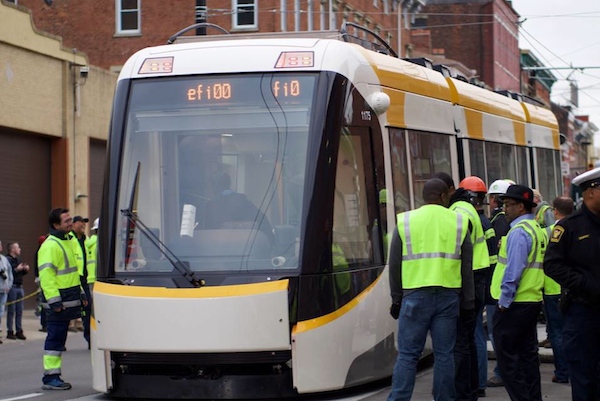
181 267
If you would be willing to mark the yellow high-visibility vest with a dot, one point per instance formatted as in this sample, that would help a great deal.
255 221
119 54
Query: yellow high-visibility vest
481 256
532 279
432 237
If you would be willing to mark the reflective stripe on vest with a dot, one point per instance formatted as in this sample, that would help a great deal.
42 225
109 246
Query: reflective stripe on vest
92 256
532 279
59 284
491 234
541 214
481 256
431 260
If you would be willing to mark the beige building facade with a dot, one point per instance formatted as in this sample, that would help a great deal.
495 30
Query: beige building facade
54 121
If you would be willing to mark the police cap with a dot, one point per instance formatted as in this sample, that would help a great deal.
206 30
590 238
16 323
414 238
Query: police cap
588 179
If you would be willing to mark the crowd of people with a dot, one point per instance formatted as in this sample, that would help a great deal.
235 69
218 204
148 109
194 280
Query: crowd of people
65 270
449 261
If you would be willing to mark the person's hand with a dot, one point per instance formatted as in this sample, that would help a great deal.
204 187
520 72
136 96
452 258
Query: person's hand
57 307
395 310
467 314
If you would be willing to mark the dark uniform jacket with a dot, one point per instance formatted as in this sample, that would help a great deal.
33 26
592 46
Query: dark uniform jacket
573 254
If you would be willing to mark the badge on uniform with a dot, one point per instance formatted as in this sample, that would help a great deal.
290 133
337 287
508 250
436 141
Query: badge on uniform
557 234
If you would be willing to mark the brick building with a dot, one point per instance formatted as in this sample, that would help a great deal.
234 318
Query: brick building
481 34
109 31
53 130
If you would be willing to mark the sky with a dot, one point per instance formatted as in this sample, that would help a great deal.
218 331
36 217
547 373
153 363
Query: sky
563 33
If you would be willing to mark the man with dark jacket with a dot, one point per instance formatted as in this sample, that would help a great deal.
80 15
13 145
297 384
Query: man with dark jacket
17 293
572 261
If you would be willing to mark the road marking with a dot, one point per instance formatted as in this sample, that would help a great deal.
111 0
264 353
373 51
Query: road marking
356 397
22 397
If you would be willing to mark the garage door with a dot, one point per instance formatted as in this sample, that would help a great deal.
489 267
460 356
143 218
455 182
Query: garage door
97 161
24 195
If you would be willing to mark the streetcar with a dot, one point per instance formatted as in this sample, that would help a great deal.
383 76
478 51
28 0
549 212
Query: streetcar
250 185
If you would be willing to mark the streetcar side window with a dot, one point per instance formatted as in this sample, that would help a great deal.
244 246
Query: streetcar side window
429 154
501 161
477 159
399 170
351 239
548 167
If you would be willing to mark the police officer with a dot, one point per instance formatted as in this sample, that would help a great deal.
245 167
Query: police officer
430 271
63 295
517 284
572 260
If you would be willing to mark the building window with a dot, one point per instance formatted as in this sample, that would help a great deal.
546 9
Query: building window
245 14
128 16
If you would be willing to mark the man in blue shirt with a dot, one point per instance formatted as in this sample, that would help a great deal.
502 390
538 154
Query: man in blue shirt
517 284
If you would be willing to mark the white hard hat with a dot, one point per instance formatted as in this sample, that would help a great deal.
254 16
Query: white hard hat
95 226
499 186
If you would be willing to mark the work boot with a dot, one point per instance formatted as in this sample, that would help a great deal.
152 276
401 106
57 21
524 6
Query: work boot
494 381
20 335
56 384
11 335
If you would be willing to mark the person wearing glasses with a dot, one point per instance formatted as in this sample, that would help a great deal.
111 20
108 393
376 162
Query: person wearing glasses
572 261
517 284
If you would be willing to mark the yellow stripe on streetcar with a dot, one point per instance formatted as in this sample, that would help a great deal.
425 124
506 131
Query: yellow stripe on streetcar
101 288
311 324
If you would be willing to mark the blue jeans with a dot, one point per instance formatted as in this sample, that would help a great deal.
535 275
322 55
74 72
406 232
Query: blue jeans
554 327
481 343
15 311
434 310
3 297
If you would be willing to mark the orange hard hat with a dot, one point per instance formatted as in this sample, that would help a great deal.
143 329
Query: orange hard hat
473 184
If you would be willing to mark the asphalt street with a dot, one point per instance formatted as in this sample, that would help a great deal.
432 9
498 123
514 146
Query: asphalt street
21 373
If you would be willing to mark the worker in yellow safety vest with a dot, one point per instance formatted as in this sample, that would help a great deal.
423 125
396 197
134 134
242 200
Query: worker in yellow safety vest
92 258
63 296
431 280
517 284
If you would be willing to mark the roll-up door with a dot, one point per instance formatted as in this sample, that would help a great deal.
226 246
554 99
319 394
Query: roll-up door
97 161
24 196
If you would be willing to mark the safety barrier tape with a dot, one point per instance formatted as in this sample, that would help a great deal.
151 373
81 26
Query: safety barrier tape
24 298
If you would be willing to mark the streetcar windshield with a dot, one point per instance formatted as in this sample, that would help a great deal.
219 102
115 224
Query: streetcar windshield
221 163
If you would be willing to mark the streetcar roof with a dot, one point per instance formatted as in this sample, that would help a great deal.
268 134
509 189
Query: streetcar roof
260 54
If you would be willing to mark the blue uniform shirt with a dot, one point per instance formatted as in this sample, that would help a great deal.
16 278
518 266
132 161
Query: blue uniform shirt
518 247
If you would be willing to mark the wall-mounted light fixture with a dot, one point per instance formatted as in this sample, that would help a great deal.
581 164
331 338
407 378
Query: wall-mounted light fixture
79 196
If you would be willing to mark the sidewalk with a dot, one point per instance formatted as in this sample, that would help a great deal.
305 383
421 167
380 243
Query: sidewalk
31 327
